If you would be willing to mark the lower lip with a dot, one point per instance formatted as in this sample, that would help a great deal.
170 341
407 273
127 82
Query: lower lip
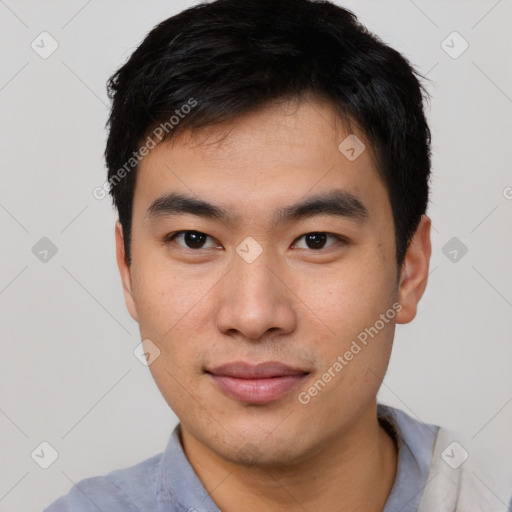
257 391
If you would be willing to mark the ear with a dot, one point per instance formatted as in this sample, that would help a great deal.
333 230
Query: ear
125 271
414 273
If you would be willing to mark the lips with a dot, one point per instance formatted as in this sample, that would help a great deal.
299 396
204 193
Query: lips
256 384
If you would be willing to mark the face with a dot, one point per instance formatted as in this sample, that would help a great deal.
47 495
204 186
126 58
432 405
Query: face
254 286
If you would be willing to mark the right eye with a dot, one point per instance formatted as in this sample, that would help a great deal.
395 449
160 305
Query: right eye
193 240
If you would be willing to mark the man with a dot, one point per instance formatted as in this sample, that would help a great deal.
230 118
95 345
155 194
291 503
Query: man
269 161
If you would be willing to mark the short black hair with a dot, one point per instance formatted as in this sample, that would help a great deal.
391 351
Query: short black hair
218 60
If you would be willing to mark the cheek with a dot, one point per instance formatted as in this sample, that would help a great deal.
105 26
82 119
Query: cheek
167 297
350 305
171 309
172 315
349 298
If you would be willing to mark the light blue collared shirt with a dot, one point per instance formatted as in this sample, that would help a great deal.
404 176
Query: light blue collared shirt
167 482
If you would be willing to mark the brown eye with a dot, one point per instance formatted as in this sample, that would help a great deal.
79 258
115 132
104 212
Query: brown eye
317 239
191 239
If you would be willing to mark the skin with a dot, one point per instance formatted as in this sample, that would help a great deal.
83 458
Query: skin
295 304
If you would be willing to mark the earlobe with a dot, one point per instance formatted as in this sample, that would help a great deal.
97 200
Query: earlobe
125 272
414 274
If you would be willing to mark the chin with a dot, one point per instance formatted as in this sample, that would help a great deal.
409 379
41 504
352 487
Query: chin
264 452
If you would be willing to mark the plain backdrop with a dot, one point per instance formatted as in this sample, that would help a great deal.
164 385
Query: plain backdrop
68 376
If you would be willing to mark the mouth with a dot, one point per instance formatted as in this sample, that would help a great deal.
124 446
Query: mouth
256 384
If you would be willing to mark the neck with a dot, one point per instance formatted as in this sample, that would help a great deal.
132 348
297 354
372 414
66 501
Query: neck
354 472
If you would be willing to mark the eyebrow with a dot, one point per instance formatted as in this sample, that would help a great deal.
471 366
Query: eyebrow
337 202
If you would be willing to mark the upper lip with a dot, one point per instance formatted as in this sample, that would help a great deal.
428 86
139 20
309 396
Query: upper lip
267 369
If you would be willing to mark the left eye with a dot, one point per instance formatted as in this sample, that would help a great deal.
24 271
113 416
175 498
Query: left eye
316 240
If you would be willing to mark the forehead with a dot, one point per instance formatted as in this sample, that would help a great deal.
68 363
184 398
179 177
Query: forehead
264 159
287 131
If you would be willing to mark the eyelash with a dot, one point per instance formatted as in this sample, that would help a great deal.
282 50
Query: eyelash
171 237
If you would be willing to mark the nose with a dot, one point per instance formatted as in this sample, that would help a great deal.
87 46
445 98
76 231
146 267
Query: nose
255 300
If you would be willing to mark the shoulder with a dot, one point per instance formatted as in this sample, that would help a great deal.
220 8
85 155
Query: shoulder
462 478
131 489
459 476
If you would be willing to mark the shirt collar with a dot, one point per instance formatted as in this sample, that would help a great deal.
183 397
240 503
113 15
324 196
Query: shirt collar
180 480
414 441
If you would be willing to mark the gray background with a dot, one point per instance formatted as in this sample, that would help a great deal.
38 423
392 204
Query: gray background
68 375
